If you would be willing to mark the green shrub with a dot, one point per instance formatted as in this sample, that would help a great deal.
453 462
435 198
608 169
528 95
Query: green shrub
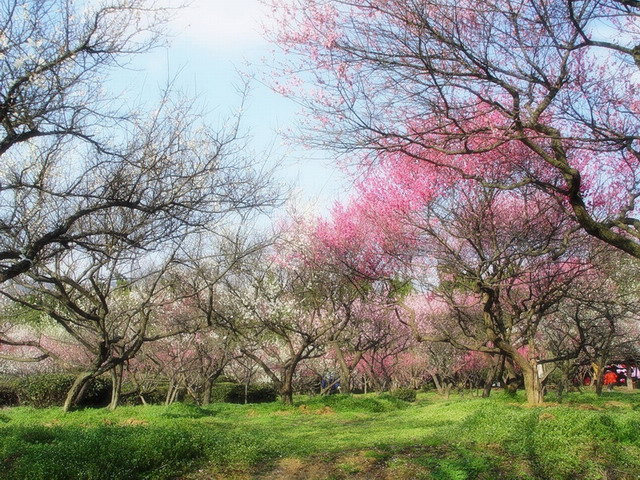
157 396
50 389
261 394
44 390
221 392
406 394
9 393
227 392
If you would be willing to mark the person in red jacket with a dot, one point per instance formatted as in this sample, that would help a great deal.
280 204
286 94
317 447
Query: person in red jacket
610 379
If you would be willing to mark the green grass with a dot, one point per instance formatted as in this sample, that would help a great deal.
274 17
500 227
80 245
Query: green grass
366 437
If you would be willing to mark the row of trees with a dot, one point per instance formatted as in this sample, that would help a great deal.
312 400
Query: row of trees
473 295
492 228
100 199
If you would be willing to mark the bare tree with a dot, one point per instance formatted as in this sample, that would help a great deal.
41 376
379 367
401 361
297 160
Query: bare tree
58 137
105 309
88 185
79 165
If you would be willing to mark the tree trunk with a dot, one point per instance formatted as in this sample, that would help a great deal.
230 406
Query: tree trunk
489 379
529 367
533 385
599 387
345 380
437 384
74 395
206 394
286 388
116 386
374 383
346 369
174 394
599 380
167 399
326 390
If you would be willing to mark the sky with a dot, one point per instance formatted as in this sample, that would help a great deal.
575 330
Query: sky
213 45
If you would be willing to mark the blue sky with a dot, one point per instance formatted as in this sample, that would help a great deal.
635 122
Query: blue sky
211 42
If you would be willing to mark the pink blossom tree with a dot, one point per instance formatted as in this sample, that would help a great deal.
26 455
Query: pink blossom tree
370 327
498 263
512 94
504 267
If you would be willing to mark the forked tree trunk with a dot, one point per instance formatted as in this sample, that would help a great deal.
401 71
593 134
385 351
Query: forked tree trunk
283 384
346 368
75 393
442 386
529 367
436 383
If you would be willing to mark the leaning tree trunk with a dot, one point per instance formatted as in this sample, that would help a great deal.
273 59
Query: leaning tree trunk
170 389
75 393
436 381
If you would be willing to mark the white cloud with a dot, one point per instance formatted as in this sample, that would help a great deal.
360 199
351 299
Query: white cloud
235 24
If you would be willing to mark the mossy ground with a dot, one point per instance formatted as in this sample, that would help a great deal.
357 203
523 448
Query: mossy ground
337 437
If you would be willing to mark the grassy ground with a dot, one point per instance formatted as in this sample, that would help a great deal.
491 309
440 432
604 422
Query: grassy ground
338 437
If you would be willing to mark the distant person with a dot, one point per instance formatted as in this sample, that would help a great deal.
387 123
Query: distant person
610 379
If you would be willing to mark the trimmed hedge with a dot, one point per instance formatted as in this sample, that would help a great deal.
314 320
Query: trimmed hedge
228 392
49 390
